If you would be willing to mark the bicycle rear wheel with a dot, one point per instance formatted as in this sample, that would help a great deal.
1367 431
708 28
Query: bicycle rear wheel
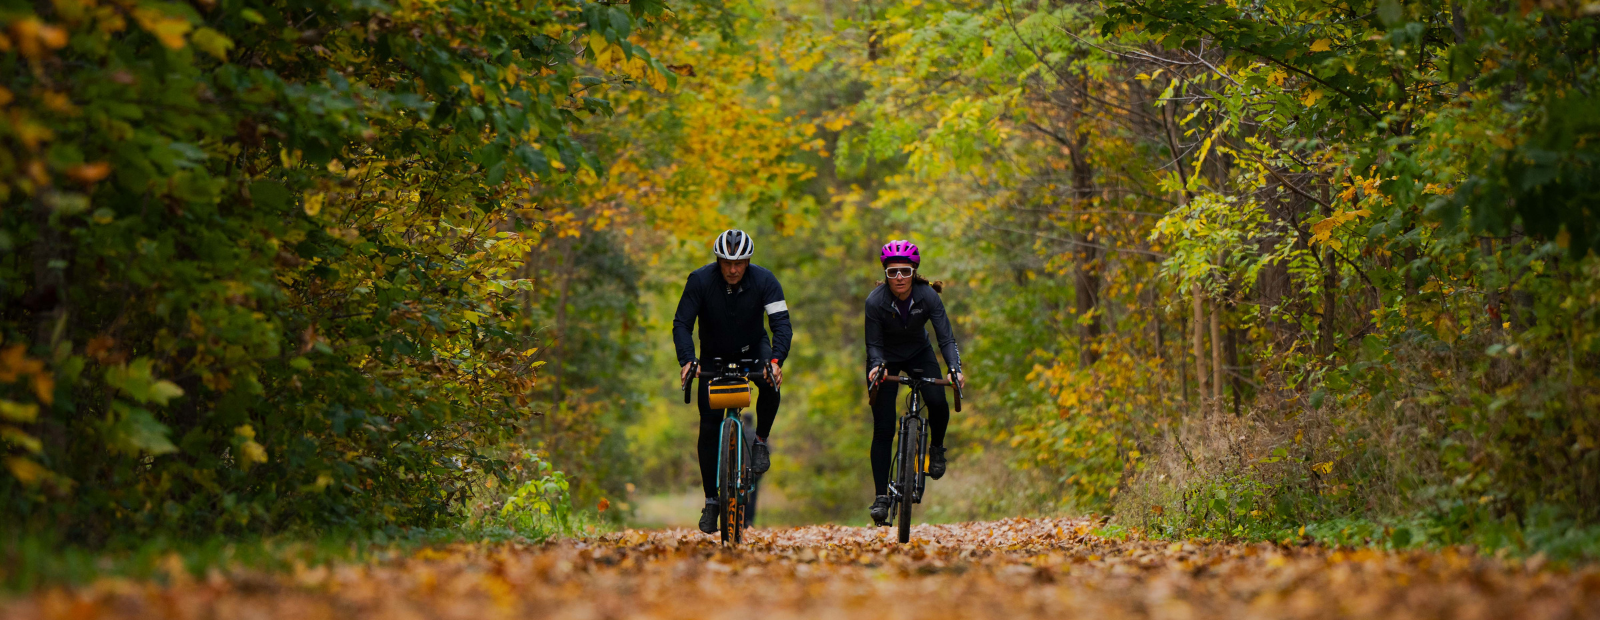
728 479
910 461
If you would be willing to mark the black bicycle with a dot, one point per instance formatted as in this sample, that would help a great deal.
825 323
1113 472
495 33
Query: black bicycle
728 389
910 464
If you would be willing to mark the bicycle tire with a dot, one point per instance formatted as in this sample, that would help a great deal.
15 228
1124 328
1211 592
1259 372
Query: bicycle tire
752 481
909 462
922 454
728 484
894 484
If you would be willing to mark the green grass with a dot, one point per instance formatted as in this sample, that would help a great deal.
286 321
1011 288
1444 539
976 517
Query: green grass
35 561
1543 531
31 562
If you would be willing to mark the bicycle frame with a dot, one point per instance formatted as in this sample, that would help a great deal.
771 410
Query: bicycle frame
732 427
904 489
919 482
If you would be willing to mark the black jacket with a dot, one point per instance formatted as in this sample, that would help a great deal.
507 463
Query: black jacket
891 340
730 316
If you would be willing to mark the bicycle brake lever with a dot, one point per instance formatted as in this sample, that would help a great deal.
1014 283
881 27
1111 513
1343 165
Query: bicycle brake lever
688 380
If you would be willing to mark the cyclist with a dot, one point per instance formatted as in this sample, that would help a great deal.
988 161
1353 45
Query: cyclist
729 298
897 312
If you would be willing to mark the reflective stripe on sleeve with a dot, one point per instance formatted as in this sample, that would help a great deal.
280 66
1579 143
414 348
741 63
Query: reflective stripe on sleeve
777 306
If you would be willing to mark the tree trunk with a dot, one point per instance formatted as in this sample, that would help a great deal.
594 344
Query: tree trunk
1183 361
1216 358
1330 279
1087 283
1492 293
48 299
1148 303
1087 266
1235 367
1199 346
1329 304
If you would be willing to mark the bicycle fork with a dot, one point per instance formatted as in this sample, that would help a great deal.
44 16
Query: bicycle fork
919 466
722 440
894 468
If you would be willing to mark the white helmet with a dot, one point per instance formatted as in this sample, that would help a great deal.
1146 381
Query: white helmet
733 244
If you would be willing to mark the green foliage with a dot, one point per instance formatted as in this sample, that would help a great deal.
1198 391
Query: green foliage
262 261
543 505
268 265
1378 203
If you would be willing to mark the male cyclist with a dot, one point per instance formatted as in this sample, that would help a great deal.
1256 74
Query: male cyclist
897 315
729 299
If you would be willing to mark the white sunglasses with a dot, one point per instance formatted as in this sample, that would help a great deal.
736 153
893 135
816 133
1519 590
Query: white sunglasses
898 273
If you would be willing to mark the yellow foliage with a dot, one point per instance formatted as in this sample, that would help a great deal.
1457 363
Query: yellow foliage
313 204
738 147
1321 232
18 412
166 28
25 470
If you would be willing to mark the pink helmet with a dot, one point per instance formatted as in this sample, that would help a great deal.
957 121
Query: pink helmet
900 249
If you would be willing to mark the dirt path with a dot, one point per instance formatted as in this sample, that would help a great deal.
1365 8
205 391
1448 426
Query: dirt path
1007 569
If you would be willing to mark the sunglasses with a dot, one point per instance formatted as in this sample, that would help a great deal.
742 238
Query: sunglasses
898 273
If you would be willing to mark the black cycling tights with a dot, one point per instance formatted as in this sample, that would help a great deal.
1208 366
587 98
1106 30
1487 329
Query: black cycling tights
711 429
884 422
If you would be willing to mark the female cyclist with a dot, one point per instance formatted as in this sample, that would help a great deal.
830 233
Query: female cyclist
897 312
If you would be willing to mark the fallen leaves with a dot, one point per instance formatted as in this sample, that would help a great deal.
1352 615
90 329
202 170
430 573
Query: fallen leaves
1045 568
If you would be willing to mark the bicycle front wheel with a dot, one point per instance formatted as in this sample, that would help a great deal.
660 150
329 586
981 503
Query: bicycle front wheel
728 480
910 461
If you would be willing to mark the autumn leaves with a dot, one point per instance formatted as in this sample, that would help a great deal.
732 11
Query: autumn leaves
1017 568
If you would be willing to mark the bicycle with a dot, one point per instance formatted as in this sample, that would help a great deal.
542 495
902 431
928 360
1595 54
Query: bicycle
729 390
910 462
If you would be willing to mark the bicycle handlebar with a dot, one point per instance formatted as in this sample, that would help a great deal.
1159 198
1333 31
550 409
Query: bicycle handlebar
754 374
910 381
872 390
696 371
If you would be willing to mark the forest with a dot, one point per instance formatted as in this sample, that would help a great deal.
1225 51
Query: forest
1239 270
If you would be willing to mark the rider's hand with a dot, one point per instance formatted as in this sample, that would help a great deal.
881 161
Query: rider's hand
874 374
775 374
683 375
960 379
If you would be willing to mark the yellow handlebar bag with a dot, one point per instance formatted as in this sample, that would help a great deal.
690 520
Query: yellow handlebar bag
728 394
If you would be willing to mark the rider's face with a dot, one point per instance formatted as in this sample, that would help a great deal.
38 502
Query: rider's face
899 286
733 270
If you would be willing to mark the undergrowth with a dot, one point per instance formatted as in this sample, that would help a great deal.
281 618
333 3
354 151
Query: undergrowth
534 512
